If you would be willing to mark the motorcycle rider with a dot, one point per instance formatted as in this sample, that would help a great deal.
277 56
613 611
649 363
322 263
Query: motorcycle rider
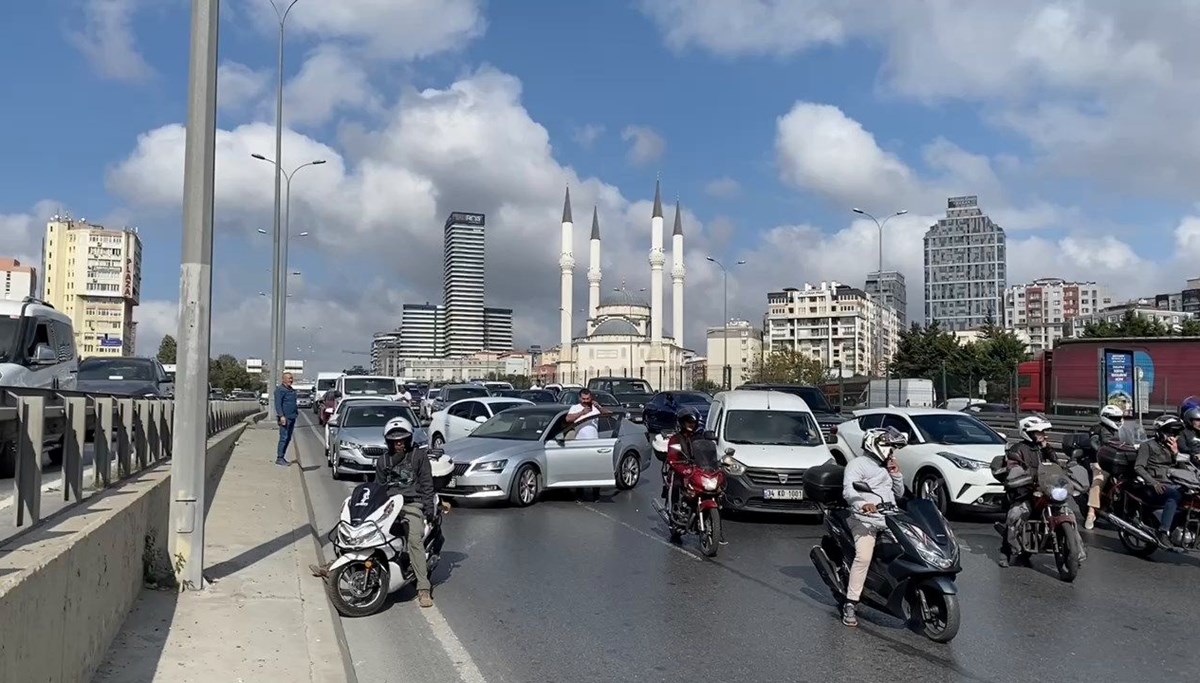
1024 456
1108 431
1189 440
679 449
879 471
406 470
1155 458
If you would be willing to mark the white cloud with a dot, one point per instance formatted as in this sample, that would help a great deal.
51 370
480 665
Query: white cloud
646 145
239 86
587 135
107 40
21 233
759 27
723 188
329 81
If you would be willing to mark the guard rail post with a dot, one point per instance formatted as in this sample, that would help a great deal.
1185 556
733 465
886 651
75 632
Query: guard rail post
28 475
168 431
125 438
73 442
141 447
102 440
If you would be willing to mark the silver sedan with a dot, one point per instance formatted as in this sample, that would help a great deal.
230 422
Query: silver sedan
525 450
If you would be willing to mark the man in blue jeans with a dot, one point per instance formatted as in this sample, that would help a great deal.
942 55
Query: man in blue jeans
287 410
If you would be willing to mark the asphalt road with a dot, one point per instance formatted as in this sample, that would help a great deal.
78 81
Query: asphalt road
592 591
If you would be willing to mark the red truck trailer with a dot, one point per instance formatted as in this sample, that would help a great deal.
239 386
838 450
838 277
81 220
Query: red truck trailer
1080 375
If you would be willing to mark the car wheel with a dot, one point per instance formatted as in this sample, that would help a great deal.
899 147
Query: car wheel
337 472
932 488
629 470
436 441
525 487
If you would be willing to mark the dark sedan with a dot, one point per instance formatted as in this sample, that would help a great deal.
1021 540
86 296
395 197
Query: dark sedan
661 411
138 377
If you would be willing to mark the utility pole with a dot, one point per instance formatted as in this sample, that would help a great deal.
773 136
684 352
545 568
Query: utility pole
190 442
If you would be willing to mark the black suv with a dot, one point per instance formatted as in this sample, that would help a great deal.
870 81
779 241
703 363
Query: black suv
827 416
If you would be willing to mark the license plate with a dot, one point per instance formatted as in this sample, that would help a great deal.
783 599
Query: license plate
783 494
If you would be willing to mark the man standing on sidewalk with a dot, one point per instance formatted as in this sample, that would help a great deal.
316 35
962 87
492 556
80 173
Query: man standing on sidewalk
287 410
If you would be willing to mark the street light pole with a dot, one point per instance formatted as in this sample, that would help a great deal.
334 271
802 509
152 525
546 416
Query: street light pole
726 369
887 361
190 436
282 239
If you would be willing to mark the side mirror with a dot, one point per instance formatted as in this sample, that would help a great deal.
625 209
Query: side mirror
481 419
708 435
862 487
333 421
44 355
729 452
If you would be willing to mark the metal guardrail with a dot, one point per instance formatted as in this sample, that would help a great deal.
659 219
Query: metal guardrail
137 430
1006 424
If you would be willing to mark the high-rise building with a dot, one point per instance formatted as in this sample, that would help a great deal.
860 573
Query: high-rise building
1187 300
93 275
385 353
1043 309
463 283
497 329
895 292
832 323
422 326
16 281
966 267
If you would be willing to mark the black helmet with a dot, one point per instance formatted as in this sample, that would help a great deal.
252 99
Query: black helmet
1168 425
686 416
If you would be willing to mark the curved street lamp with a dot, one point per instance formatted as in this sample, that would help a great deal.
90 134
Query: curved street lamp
726 369
879 303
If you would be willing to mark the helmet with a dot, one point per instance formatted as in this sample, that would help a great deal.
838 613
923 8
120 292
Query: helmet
1189 410
880 443
1111 416
398 429
1031 425
1168 425
686 416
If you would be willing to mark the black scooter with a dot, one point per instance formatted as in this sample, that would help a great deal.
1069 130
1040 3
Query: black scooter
912 573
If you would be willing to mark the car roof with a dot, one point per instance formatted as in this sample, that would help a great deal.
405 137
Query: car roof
13 307
393 379
901 410
537 408
753 399
463 385
118 359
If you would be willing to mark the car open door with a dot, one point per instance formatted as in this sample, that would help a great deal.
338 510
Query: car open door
573 462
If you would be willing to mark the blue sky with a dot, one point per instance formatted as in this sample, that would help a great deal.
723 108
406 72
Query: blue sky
1072 122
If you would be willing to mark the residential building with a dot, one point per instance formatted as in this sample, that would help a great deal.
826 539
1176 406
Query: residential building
1142 308
385 353
497 329
464 368
423 331
16 281
832 323
966 267
894 290
295 367
1187 300
745 344
1042 310
254 366
463 283
695 370
93 275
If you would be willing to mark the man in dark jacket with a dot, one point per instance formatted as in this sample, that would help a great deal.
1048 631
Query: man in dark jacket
1155 459
405 470
287 410
1020 458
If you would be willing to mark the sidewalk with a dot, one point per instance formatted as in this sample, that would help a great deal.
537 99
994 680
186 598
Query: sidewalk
263 617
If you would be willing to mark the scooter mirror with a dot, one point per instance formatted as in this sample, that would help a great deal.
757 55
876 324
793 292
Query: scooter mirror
862 487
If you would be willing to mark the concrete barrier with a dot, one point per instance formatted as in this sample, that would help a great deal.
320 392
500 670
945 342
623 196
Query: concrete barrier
67 586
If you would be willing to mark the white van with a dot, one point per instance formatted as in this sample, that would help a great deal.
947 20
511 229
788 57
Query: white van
325 382
773 438
37 351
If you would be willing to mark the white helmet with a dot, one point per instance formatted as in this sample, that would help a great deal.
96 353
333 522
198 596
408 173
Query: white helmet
1111 416
398 429
881 443
1030 425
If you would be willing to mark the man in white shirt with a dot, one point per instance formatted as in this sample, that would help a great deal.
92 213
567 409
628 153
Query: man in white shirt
587 409
405 395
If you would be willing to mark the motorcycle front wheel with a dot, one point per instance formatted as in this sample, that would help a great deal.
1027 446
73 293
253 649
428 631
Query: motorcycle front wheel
935 613
710 537
1067 551
357 591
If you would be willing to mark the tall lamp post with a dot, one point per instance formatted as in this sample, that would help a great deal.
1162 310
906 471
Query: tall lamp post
628 300
278 306
726 370
887 380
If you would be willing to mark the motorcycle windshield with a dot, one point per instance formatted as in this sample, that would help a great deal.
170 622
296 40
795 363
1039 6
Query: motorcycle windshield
704 454
924 515
1051 478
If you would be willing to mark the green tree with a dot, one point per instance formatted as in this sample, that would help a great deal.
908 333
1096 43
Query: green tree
1191 328
1131 325
166 350
956 368
787 366
707 386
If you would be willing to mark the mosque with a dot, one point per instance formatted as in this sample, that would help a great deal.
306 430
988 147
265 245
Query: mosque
623 335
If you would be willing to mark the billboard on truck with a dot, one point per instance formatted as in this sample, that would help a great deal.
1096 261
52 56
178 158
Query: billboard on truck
1080 375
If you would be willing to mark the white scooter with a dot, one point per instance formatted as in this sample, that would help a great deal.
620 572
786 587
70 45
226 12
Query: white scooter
372 548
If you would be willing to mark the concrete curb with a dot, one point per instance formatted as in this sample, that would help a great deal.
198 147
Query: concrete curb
313 589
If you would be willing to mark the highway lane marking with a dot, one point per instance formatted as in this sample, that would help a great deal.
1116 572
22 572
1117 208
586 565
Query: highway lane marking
463 663
643 532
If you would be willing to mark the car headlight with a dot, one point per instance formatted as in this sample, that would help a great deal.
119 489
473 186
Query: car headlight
350 446
493 466
961 462
733 466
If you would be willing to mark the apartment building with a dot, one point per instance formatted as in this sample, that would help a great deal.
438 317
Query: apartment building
1142 308
16 281
966 267
745 344
832 323
93 274
1043 309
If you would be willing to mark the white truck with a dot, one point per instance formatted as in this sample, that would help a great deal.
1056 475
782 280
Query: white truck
915 393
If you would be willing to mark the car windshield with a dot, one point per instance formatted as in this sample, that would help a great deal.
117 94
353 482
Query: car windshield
115 370
10 344
956 429
377 415
772 428
326 384
459 393
693 399
515 426
302 393
812 396
625 386
370 385
498 406
506 393
537 396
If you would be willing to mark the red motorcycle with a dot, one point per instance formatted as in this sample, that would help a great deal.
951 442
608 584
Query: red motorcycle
694 493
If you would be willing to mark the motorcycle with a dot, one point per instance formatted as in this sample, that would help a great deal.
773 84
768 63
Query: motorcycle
915 563
1136 522
1052 528
371 546
694 504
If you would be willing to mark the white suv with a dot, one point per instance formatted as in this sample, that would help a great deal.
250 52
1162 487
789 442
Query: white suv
37 351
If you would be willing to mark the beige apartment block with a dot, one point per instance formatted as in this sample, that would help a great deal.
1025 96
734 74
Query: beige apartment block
16 281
